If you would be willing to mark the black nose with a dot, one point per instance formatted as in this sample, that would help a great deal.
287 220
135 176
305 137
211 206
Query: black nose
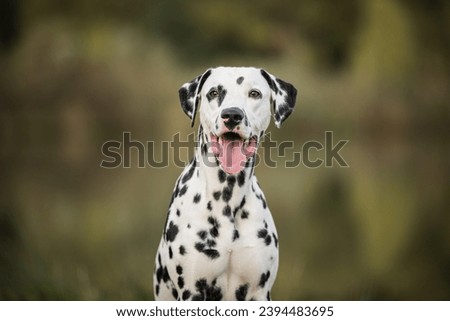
232 116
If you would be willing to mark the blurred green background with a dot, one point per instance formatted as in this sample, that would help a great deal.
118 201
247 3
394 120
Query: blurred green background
74 74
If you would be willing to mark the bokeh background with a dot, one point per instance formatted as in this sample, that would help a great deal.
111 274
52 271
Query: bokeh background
75 74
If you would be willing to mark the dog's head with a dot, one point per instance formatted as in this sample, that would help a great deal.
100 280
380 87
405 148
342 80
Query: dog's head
235 106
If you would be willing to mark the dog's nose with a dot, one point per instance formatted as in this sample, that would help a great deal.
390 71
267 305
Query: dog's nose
232 117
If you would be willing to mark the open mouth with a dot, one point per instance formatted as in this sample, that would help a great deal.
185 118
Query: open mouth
233 151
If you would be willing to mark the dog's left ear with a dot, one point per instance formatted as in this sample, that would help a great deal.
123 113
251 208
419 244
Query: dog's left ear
283 97
190 95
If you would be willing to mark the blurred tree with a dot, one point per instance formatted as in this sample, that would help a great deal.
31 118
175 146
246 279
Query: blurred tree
329 26
265 28
9 23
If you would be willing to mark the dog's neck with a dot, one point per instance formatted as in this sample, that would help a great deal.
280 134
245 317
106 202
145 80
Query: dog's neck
232 188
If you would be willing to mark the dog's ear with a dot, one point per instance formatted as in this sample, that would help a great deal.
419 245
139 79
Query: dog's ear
190 95
283 97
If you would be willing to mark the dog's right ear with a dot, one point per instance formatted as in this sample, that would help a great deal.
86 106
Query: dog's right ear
190 95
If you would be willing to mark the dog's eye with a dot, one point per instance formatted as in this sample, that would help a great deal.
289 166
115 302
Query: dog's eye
213 93
254 93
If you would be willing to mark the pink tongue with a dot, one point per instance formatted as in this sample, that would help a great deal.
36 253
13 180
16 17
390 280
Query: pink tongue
232 154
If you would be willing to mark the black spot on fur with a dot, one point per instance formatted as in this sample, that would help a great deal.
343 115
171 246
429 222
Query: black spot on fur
244 214
178 212
186 295
183 190
242 202
217 195
189 174
268 296
157 289
222 94
207 292
171 232
180 282
179 270
263 201
212 221
214 231
200 246
202 234
204 149
182 250
235 235
177 189
211 253
197 198
227 210
241 205
175 293
275 239
159 274
264 234
240 80
231 180
241 178
241 292
226 194
263 279
165 275
214 293
211 243
174 194
201 285
222 176
209 206
170 252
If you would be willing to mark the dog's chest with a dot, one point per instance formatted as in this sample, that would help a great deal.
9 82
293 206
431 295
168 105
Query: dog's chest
224 232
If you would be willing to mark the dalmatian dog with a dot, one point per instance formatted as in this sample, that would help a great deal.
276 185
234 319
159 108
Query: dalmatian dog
219 241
